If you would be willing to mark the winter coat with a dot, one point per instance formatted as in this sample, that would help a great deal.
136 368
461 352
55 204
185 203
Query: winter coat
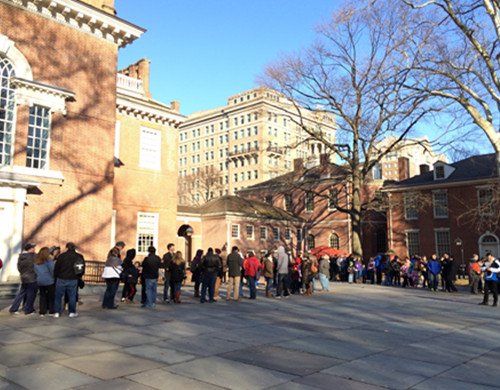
45 273
177 272
324 267
268 268
251 266
282 265
65 265
151 266
26 267
434 267
210 263
112 268
234 263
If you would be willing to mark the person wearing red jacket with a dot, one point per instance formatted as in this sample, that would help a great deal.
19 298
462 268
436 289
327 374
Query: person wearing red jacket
252 269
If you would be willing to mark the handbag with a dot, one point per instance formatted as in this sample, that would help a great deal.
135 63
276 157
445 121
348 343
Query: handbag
314 269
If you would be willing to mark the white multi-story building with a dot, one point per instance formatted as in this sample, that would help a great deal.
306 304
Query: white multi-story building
255 137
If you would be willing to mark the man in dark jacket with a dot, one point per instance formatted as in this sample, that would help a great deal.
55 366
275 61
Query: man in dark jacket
234 264
210 266
69 267
150 267
26 268
167 258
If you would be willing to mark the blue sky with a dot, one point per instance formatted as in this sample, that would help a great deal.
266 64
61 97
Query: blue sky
203 51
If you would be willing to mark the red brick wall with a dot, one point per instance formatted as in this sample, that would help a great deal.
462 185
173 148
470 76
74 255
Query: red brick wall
81 143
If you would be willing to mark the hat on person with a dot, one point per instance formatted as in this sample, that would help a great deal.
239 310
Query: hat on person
53 248
29 246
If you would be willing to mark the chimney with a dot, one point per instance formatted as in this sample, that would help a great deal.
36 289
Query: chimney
324 164
403 168
175 105
298 167
143 73
424 168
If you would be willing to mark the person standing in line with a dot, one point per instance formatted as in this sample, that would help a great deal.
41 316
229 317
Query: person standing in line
177 271
371 270
449 273
133 275
210 265
44 269
491 268
324 272
282 270
218 281
70 266
127 265
252 269
196 272
234 264
474 274
150 271
112 274
268 273
434 268
27 293
167 259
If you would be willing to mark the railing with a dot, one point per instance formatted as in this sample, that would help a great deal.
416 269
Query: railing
129 83
93 272
244 151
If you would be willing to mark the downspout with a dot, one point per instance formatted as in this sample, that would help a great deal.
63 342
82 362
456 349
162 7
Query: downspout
389 195
349 242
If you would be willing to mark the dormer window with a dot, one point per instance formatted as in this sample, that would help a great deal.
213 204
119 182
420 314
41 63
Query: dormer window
442 171
439 171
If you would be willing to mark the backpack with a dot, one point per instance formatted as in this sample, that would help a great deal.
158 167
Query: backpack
79 266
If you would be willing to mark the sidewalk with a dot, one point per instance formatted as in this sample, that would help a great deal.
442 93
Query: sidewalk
354 337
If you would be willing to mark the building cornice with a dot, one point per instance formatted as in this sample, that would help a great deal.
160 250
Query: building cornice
83 17
32 92
148 110
441 185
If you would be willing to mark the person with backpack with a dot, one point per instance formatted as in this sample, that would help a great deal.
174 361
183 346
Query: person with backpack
27 293
252 272
69 268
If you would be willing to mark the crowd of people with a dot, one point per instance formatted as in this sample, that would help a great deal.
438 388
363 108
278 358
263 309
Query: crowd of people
57 276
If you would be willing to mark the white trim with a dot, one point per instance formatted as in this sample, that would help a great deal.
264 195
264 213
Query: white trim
82 17
43 175
117 138
18 60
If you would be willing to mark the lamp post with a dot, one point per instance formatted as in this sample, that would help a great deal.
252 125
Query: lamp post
458 243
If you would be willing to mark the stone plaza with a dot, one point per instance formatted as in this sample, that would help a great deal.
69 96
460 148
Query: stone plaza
353 337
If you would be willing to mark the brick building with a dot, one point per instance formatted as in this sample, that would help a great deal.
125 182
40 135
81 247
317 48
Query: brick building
145 173
451 209
230 220
314 195
58 63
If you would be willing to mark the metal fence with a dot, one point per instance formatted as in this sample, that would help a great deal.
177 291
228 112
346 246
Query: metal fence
93 272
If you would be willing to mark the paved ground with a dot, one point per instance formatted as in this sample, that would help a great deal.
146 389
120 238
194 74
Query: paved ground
355 337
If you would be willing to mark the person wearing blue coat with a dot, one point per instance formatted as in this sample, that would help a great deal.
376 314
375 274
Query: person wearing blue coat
44 269
434 267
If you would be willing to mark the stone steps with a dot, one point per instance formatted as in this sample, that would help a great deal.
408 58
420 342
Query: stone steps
8 290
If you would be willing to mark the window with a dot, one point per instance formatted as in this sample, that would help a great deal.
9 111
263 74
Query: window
485 201
439 171
299 235
288 234
268 199
235 230
255 130
413 242
332 199
37 150
236 121
235 177
276 233
263 232
442 242
311 242
235 135
411 206
309 202
334 241
440 203
147 231
250 232
288 202
256 174
150 152
7 119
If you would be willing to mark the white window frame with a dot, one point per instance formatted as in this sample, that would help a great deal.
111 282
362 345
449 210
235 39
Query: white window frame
150 149
447 246
481 204
147 224
439 208
288 234
38 127
276 233
235 230
411 206
412 248
250 232
263 233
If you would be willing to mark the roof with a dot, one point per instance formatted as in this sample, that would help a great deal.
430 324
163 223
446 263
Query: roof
472 168
235 204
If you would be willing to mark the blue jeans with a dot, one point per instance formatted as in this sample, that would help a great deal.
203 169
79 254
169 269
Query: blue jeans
208 280
176 286
29 291
433 281
69 287
108 302
151 286
251 286
166 287
325 283
269 284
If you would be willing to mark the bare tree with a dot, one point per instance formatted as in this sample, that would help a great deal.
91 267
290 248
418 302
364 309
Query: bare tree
356 71
201 186
456 57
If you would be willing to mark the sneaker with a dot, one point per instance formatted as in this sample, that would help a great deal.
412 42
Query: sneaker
278 296
73 315
16 313
123 299
56 315
42 315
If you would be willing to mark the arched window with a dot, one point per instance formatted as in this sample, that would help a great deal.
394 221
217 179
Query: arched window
7 109
310 242
334 241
